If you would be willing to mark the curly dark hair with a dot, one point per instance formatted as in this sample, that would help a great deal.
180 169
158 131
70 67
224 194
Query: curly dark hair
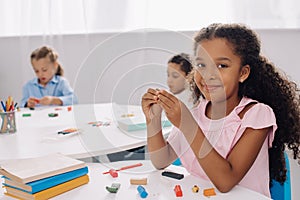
264 84
184 61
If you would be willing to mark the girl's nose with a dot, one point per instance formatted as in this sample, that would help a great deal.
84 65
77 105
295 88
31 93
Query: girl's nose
210 72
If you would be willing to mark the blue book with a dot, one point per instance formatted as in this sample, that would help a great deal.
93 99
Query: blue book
42 184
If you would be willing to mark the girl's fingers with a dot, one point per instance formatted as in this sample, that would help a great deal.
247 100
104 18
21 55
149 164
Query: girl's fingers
167 95
152 91
149 99
164 102
151 95
168 100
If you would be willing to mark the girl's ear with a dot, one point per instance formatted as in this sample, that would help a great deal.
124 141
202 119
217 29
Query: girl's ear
245 71
56 65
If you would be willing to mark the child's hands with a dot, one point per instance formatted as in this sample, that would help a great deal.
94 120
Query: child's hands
32 101
46 100
176 111
149 105
171 105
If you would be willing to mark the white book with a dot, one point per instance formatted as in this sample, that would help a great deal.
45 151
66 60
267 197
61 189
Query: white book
31 169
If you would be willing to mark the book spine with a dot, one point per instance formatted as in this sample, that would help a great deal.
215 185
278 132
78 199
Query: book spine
46 183
59 189
58 179
50 192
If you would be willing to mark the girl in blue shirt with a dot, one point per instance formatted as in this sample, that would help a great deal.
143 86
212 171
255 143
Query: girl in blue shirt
49 87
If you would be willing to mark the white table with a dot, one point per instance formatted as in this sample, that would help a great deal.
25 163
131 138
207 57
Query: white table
158 187
37 135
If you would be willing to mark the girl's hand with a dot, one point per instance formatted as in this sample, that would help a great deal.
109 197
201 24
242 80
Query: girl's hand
176 111
149 105
32 101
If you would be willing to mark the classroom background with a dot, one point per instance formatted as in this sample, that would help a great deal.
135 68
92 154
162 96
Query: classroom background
113 50
117 48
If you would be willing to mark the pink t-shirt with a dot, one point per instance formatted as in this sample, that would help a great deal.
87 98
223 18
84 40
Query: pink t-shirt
223 134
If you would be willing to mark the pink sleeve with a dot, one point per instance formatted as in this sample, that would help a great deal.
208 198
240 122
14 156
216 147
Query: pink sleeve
258 117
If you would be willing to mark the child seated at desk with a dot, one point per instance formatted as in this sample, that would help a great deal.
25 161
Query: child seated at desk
248 114
179 67
49 87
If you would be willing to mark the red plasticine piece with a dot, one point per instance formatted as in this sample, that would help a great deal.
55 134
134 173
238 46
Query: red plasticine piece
178 191
113 173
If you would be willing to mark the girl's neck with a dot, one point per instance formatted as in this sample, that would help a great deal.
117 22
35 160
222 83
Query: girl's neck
43 84
219 110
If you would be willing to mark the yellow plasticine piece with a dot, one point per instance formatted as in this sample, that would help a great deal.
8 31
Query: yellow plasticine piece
127 115
141 181
195 189
209 192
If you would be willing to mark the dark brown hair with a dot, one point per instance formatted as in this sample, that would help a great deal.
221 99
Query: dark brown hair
184 61
45 51
264 84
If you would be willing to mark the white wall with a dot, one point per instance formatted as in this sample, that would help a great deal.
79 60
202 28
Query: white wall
119 67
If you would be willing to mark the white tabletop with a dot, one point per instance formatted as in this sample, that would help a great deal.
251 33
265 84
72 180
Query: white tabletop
37 135
158 187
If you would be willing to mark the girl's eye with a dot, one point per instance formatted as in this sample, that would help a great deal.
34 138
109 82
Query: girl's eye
200 65
175 75
222 66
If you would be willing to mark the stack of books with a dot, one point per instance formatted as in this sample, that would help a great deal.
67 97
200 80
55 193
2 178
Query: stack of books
43 177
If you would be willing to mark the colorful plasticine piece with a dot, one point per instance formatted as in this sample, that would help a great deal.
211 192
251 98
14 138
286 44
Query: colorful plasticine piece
178 191
127 115
142 191
113 173
209 192
195 189
113 188
172 175
53 114
141 181
67 131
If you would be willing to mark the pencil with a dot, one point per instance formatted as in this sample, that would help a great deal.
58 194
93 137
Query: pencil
3 106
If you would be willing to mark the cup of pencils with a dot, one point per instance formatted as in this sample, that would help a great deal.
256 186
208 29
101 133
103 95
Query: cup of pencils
8 116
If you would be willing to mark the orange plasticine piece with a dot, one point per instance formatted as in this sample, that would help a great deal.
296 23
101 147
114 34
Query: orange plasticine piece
209 192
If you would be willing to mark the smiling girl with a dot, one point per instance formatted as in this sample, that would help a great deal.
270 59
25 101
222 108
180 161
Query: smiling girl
247 115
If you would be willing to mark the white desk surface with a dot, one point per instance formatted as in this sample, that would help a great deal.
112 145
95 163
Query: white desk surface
158 187
37 135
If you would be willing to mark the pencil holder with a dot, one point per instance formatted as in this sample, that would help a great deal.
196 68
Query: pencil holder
8 122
